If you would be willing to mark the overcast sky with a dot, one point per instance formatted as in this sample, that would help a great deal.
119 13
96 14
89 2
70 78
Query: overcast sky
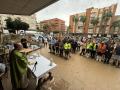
64 8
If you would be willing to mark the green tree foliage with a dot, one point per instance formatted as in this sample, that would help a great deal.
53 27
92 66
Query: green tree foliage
56 31
45 28
16 24
24 26
68 29
116 24
9 25
75 20
94 22
83 19
105 18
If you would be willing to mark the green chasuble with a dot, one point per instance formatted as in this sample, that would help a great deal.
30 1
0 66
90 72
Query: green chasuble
18 68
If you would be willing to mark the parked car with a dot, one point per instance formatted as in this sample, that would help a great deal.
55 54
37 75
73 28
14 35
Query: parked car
37 37
117 38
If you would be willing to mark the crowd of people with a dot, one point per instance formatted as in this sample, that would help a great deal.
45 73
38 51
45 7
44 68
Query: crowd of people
92 48
100 50
63 47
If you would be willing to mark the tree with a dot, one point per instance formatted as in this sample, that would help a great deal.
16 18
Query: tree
24 26
94 22
53 25
56 31
75 20
83 20
38 28
9 25
68 29
114 25
45 28
17 24
105 18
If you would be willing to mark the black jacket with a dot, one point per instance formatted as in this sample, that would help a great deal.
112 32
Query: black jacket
117 50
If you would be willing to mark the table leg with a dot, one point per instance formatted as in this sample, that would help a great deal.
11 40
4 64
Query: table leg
39 84
50 77
41 81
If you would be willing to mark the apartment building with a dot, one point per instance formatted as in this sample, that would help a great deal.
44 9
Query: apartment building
79 26
54 24
91 13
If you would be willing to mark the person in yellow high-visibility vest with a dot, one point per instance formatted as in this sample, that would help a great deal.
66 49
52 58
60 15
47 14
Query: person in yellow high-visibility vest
65 46
69 47
66 50
87 49
93 49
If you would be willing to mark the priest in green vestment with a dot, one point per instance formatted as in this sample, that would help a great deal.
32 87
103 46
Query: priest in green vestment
18 68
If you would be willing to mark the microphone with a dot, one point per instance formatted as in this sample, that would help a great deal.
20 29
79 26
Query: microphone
36 63
34 68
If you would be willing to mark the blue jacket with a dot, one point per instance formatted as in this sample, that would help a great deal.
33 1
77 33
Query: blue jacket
53 41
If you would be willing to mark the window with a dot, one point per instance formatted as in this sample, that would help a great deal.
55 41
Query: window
79 27
93 14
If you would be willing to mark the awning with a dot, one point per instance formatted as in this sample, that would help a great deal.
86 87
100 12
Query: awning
23 7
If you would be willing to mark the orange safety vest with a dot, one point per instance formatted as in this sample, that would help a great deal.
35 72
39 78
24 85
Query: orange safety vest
102 48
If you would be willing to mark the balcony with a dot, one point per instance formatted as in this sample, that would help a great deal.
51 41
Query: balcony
91 26
90 30
79 27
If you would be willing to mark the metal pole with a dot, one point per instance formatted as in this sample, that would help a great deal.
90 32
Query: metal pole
1 31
